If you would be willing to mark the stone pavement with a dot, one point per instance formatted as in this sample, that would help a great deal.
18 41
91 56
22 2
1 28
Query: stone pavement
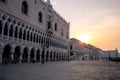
74 70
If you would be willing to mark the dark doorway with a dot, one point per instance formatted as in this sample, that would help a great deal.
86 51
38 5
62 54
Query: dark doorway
38 56
32 55
25 55
54 56
16 55
6 56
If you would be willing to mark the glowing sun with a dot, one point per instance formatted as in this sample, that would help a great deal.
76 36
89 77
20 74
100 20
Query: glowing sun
83 38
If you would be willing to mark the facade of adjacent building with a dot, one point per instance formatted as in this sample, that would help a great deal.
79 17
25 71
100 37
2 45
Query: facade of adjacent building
82 51
30 28
75 48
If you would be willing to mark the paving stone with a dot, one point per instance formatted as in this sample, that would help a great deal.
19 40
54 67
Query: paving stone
74 70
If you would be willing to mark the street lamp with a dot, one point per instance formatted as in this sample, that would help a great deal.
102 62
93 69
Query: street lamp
116 53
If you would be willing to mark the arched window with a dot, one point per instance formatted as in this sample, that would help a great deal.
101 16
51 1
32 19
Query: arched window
31 36
40 17
24 34
28 35
16 32
11 31
24 7
34 37
20 33
40 40
37 39
55 27
6 29
49 25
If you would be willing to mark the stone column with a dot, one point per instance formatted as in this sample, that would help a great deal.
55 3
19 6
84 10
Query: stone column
21 56
52 58
3 30
12 54
35 55
55 57
20 60
66 57
13 31
28 56
61 57
18 33
22 35
40 55
33 37
17 36
8 31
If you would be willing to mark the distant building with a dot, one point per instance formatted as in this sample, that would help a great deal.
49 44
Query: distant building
30 28
109 54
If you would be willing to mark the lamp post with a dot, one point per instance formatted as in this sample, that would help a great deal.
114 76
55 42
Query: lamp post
46 45
116 54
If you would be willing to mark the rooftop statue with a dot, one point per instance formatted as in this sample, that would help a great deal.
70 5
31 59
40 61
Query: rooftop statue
48 2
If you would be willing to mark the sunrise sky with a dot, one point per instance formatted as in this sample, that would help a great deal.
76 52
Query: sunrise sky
97 19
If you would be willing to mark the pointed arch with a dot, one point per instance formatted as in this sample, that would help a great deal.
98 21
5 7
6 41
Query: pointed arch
6 56
38 55
24 34
32 55
25 55
11 31
16 32
28 35
16 54
20 33
6 29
